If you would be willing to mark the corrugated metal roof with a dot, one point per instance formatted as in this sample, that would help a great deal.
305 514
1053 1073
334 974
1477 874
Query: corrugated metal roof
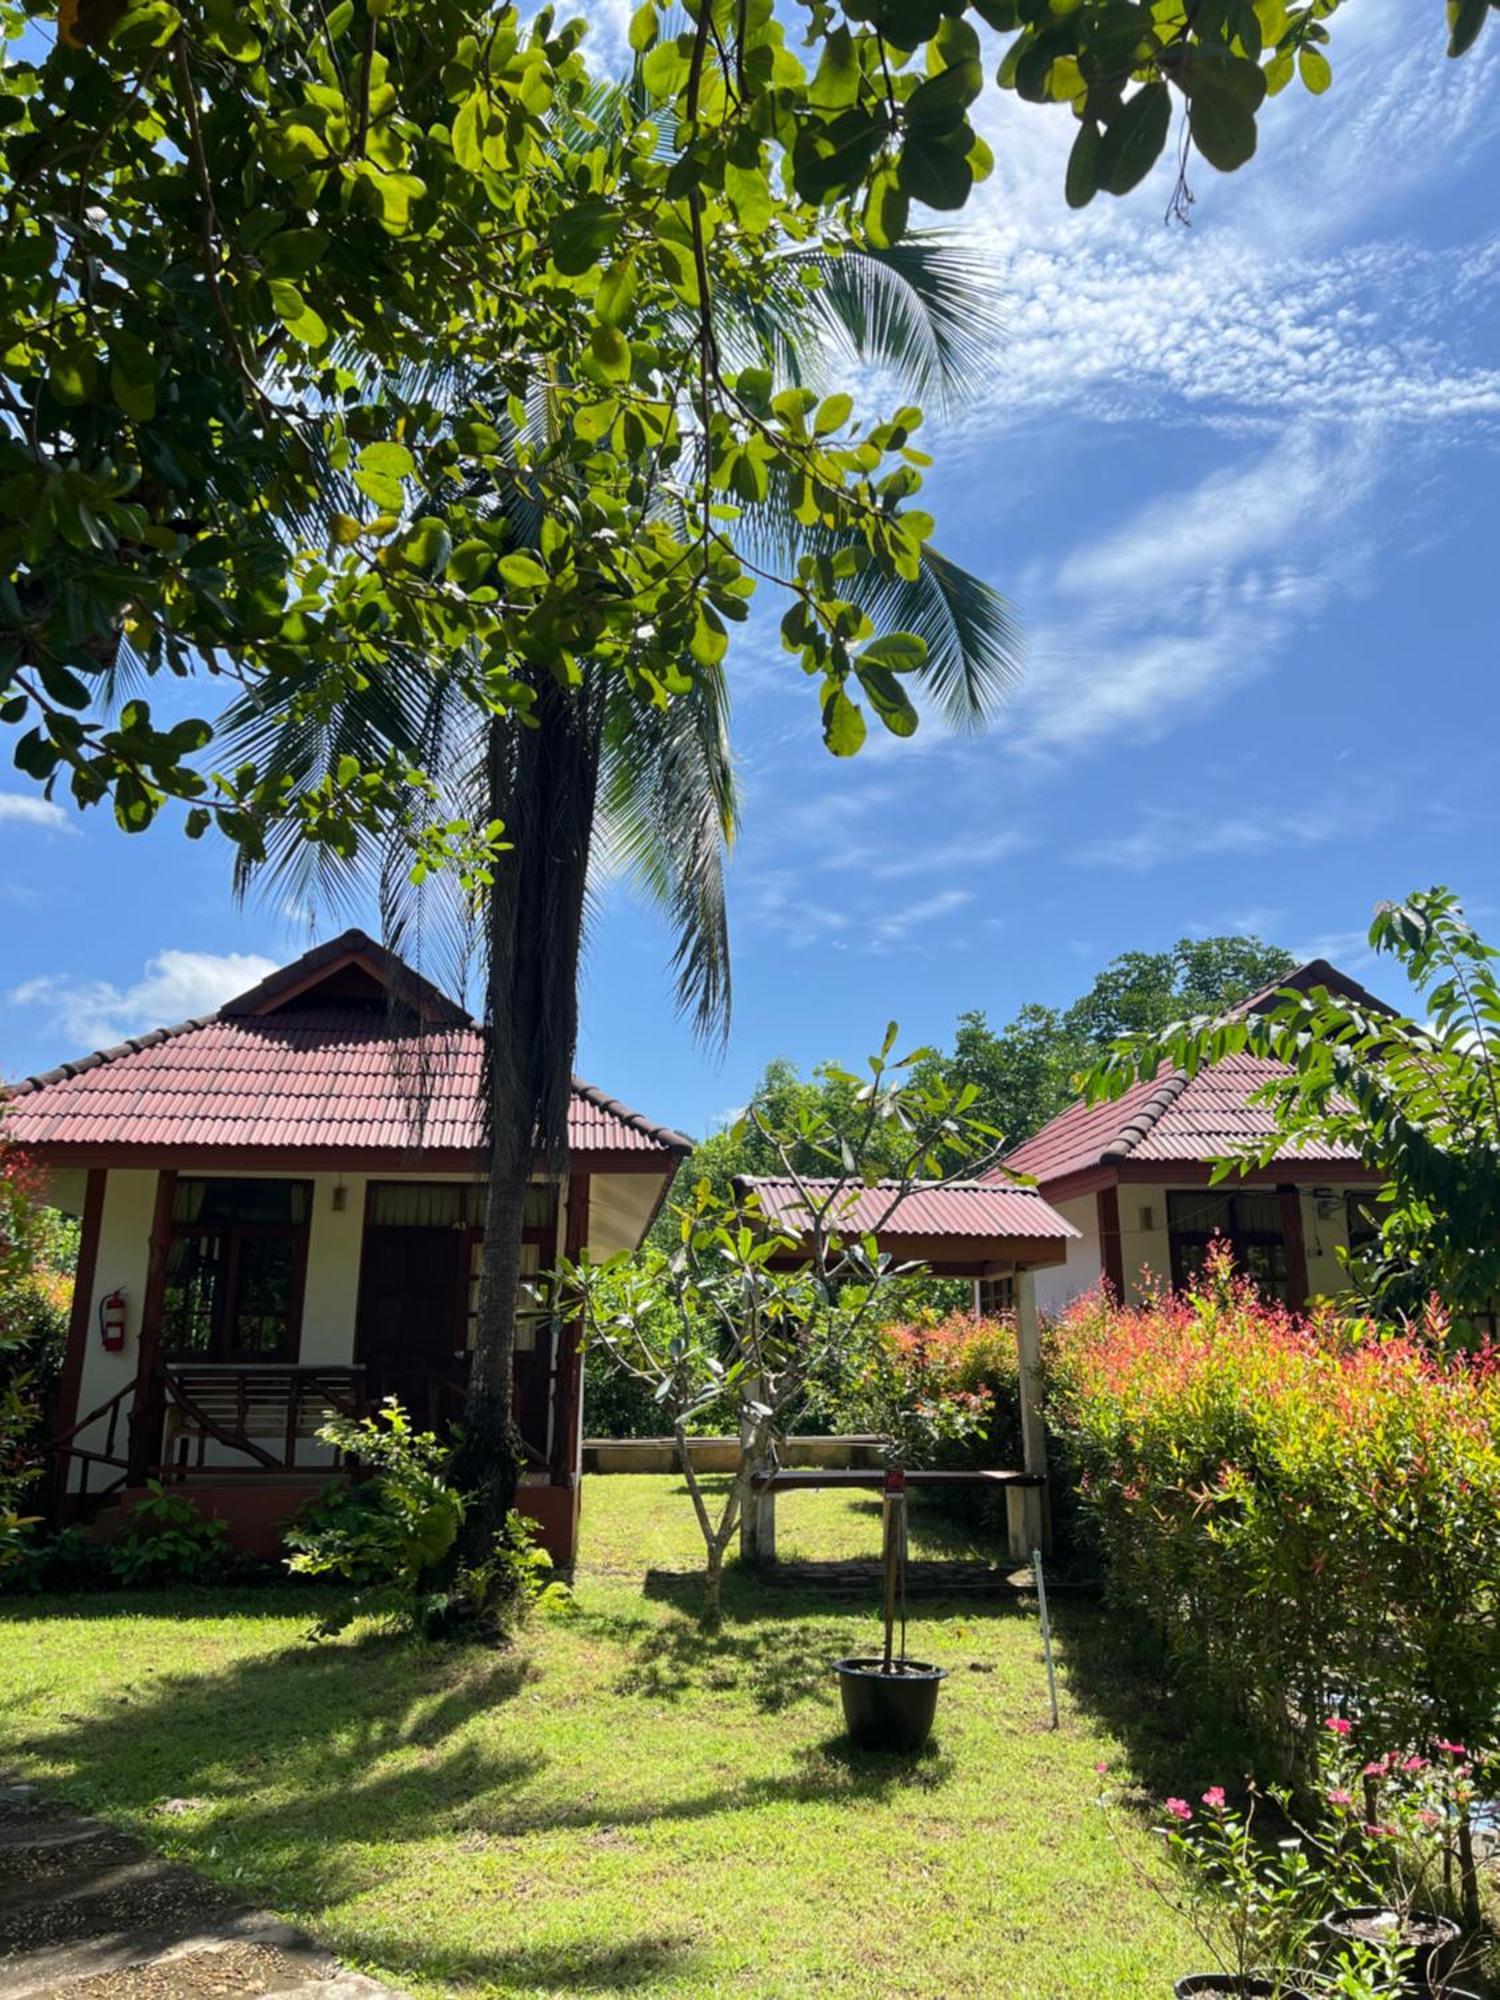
985 1209
317 1074
1168 1117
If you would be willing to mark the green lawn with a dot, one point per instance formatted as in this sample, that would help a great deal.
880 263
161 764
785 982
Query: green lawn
620 1805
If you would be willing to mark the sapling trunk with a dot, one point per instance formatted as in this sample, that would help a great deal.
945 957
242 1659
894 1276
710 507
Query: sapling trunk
716 1539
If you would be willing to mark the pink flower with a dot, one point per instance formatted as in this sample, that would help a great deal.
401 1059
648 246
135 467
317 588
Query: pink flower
1450 1749
1213 1798
1339 1724
1379 1832
1180 1810
1414 1763
1428 1817
1338 1797
1101 1767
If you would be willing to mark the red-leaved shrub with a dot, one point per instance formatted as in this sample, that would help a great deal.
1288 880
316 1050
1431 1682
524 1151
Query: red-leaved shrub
1307 1509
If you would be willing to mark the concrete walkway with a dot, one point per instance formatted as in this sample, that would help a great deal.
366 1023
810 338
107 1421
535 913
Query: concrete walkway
88 1913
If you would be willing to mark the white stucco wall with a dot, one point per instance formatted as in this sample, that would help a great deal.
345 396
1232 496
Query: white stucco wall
124 1254
1060 1284
1145 1247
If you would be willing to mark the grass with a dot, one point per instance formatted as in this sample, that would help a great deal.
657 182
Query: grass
620 1804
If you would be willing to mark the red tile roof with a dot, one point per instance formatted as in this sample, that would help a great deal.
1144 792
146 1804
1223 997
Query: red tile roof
1168 1117
309 1072
986 1209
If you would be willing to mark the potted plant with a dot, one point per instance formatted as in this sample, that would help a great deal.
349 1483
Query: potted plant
1254 1904
1401 1826
890 1702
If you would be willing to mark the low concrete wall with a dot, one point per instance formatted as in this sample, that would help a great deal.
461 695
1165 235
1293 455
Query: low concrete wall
722 1454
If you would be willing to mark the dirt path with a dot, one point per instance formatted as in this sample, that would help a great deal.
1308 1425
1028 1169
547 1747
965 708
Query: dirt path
88 1913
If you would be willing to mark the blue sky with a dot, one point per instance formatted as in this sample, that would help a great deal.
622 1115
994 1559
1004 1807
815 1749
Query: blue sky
1239 482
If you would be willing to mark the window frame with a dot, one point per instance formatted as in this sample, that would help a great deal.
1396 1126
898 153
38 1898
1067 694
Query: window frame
1236 1235
232 1234
470 1238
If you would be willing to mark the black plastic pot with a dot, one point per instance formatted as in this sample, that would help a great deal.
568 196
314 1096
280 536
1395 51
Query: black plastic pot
889 1711
1199 1985
1440 1934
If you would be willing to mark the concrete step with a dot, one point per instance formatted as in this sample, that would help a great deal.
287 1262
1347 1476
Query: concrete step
89 1913
204 1970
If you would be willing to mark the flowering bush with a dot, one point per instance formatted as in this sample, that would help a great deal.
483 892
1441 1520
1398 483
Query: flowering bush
1305 1509
1329 1899
35 1294
939 1387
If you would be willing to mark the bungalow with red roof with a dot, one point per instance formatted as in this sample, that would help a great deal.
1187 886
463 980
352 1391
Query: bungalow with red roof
282 1207
1134 1177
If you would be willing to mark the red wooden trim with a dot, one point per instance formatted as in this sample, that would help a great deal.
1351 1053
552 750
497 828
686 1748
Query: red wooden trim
958 1256
1111 1248
1198 1173
1063 1187
567 1379
144 1408
80 1318
1293 1235
395 1162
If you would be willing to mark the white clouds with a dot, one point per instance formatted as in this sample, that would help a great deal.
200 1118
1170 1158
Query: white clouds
1164 835
896 926
1196 592
31 809
174 986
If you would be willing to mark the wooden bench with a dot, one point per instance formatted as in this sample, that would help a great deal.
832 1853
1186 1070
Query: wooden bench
245 1407
1024 1520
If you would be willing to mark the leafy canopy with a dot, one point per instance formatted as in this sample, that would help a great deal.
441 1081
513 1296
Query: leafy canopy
245 242
1022 1074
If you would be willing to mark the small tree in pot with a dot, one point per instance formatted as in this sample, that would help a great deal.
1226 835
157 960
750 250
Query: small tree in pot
758 1315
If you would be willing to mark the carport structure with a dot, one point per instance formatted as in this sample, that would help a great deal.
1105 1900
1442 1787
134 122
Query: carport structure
995 1233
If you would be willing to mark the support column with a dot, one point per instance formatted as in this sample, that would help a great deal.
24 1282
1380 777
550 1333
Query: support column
1295 1239
1026 1506
567 1381
1111 1249
80 1321
146 1409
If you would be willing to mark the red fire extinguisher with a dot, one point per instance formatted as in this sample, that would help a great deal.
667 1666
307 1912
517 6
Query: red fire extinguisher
112 1322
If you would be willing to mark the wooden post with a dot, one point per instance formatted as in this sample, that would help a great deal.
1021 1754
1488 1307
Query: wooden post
145 1409
80 1320
1027 1514
1292 1234
758 1513
567 1383
1111 1248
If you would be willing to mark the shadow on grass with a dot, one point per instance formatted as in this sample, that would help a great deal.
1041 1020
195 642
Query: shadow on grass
295 1776
1117 1673
622 1966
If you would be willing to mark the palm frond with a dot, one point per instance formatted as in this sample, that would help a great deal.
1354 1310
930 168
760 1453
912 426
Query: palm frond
668 815
927 310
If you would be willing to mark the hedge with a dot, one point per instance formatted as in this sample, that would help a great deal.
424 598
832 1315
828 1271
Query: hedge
1308 1510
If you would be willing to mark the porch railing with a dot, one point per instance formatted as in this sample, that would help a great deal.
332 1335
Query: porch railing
65 1449
261 1411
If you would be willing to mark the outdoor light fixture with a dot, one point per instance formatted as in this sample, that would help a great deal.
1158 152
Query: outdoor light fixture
340 1197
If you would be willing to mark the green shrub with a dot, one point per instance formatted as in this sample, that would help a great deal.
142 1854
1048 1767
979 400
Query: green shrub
166 1541
391 1535
1305 1510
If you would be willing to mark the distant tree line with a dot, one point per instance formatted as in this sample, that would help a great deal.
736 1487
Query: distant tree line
1026 1071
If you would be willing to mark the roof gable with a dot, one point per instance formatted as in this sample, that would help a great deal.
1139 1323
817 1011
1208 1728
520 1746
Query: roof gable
352 969
345 1049
1171 1117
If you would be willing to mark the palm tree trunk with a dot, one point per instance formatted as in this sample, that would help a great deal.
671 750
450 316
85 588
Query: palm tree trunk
542 782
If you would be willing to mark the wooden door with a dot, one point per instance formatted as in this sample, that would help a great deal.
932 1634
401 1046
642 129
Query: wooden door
411 1326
